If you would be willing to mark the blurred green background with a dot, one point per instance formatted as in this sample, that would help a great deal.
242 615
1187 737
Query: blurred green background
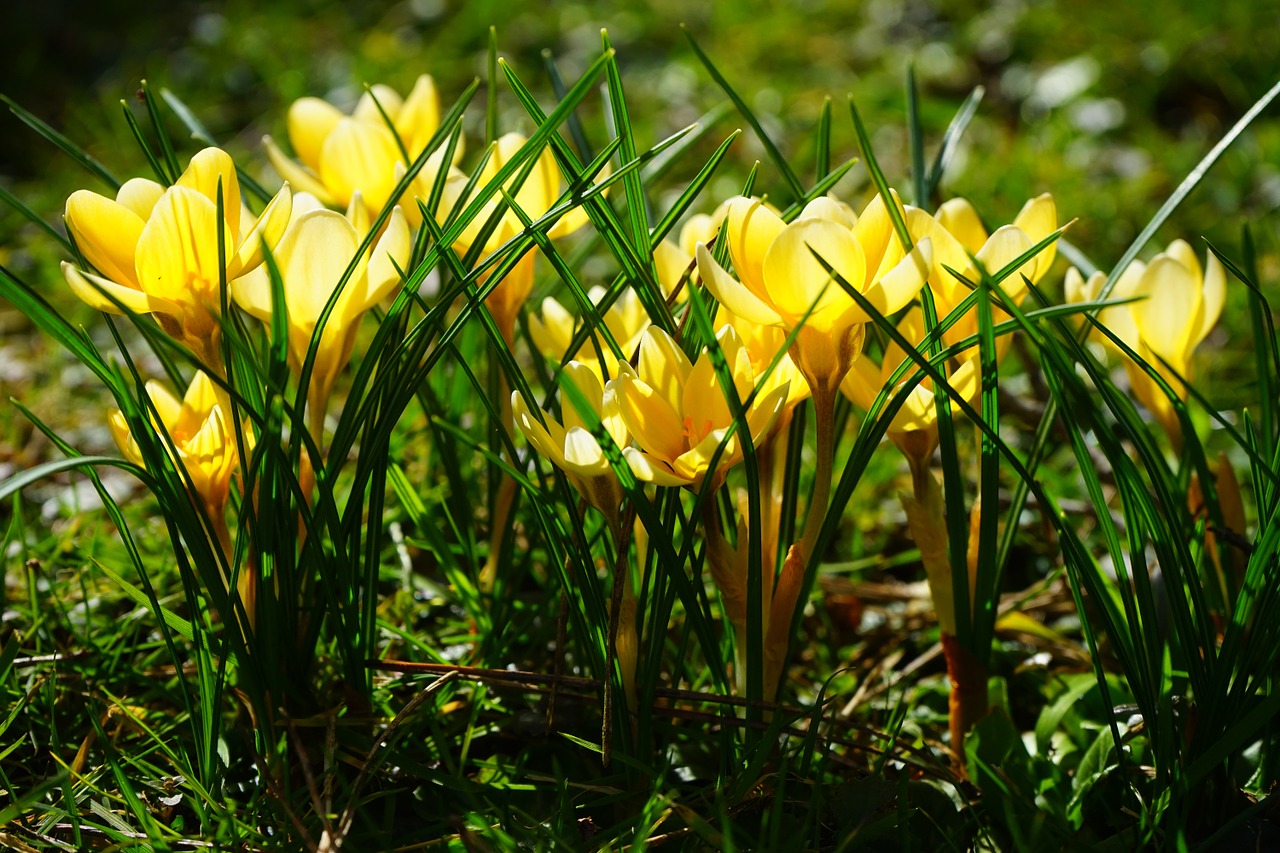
1107 105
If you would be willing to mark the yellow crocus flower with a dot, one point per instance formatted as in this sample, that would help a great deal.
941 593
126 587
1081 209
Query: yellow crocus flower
678 414
571 447
779 280
914 428
536 195
957 233
553 331
156 249
312 256
1178 303
340 155
201 437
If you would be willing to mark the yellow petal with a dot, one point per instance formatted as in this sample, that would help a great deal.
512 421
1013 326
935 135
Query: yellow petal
672 264
875 233
958 217
93 290
1181 251
419 116
1075 289
210 169
862 383
705 405
649 470
168 407
312 257
1171 311
947 253
650 419
1119 318
663 365
388 100
1215 295
731 293
1038 219
300 177
1003 248
268 228
582 454
123 438
830 209
751 229
359 156
796 281
390 255
252 292
588 386
107 234
201 395
139 195
552 332
310 122
178 250
900 285
548 440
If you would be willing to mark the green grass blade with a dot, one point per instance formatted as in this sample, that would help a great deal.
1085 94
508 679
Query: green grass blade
75 152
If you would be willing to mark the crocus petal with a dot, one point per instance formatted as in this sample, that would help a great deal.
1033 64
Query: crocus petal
1003 248
390 256
900 285
300 177
419 116
862 383
252 292
380 98
958 217
178 250
874 231
731 293
650 419
139 195
201 394
92 289
168 407
751 229
825 207
107 233
210 170
588 387
548 445
582 454
359 156
797 282
552 331
123 437
1215 295
663 365
311 256
310 122
268 228
1172 310
649 470
1038 219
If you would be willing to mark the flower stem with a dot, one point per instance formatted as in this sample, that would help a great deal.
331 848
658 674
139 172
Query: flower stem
824 413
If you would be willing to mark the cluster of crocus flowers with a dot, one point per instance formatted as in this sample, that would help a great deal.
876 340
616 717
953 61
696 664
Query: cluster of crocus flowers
156 249
313 258
1176 303
340 156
